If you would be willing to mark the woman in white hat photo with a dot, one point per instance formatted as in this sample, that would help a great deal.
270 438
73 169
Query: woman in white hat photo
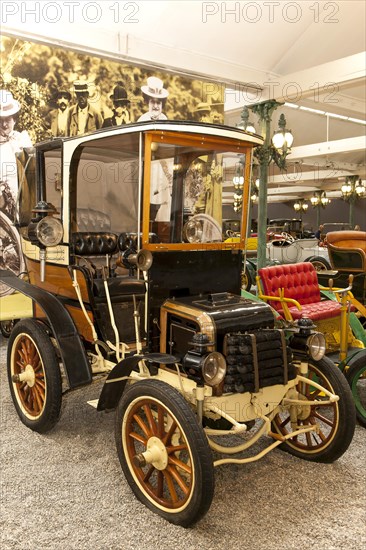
155 95
11 142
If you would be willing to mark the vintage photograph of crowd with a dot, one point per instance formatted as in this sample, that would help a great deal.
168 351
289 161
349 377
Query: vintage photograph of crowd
50 92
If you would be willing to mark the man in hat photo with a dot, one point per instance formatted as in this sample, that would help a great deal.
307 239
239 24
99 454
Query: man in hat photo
11 142
58 117
83 117
155 95
121 104
203 112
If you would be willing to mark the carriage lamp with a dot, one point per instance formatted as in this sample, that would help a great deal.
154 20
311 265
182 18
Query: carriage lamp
201 364
44 231
49 231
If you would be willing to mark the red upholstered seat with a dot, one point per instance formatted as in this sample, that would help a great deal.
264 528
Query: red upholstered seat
316 311
300 283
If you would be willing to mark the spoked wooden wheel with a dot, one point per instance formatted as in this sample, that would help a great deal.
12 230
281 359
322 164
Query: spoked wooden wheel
164 453
34 376
335 422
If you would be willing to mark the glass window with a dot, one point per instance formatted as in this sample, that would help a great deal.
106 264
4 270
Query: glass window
105 175
190 191
53 174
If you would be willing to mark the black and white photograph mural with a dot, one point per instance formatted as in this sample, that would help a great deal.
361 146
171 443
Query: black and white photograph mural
49 91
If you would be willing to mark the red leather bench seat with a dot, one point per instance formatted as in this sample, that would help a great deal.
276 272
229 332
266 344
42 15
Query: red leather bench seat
300 283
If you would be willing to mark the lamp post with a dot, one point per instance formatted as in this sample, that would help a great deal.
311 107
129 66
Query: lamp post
301 206
352 189
275 149
319 200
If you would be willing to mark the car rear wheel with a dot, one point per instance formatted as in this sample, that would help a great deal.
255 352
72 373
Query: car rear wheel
320 264
34 376
335 422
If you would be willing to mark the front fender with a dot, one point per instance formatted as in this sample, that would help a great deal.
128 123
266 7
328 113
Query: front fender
114 387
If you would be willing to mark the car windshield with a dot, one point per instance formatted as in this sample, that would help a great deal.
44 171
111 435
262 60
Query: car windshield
192 192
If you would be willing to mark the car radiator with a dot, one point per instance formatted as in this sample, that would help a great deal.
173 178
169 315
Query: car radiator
255 360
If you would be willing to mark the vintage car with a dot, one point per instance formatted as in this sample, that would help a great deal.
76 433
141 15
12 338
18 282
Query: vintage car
287 250
293 226
132 281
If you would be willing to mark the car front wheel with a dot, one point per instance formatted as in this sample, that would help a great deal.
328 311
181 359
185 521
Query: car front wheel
164 452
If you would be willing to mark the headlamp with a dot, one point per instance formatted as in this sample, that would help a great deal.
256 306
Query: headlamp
213 368
316 346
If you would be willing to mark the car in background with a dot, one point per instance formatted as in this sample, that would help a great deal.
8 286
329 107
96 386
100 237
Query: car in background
292 226
334 226
287 250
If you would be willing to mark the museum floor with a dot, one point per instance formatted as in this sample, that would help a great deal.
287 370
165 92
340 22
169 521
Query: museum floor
66 490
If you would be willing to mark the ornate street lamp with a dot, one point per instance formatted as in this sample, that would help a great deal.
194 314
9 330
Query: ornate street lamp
353 189
301 206
319 200
275 149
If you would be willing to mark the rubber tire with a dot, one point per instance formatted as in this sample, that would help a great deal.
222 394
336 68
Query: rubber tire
45 420
201 458
353 374
319 260
329 376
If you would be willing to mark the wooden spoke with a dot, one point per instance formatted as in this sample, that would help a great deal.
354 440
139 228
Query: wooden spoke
142 425
174 473
169 433
138 437
176 449
160 485
150 419
327 421
180 464
171 488
160 422
148 474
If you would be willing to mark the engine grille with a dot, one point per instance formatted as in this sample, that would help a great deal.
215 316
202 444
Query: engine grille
256 360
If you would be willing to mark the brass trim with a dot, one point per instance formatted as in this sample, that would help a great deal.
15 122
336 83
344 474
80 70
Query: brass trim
192 313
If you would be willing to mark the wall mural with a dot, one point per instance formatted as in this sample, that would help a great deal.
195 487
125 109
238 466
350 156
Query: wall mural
47 91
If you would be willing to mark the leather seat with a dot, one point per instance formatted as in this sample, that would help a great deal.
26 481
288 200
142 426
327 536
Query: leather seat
300 283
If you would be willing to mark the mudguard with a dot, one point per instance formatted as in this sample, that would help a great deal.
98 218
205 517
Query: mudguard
114 387
71 349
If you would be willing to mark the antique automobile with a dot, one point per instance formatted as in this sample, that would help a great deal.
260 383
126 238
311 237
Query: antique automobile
132 281
292 226
287 250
